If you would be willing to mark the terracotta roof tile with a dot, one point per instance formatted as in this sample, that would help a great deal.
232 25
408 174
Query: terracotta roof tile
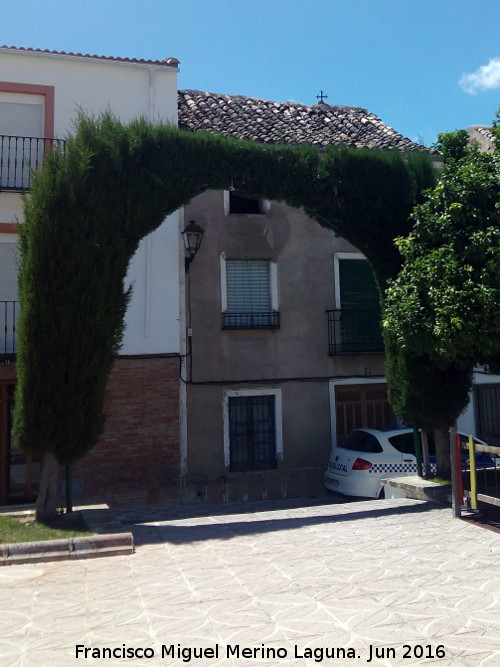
269 122
483 135
168 62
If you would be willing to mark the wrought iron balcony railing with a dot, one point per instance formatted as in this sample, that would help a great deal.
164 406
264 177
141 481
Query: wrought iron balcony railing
354 332
9 313
19 156
261 320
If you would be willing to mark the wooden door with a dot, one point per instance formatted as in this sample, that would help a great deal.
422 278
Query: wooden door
362 406
19 472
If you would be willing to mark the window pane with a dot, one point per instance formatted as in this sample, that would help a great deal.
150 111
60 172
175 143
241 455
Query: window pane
252 433
244 205
361 441
248 286
403 443
248 294
21 120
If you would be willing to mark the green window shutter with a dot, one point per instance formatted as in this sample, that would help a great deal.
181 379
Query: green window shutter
358 290
359 308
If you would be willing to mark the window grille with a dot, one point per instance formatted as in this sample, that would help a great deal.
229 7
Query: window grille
354 332
252 433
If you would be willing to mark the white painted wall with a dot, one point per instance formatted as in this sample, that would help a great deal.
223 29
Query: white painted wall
91 84
129 90
8 272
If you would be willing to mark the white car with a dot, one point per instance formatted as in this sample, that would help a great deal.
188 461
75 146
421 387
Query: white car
367 456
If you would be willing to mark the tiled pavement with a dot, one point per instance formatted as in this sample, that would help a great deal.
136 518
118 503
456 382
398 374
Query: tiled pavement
400 576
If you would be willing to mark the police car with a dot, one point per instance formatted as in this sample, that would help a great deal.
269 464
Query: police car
357 466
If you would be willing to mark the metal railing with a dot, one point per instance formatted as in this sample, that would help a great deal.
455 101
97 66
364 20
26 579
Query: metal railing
261 320
482 476
9 313
354 332
19 156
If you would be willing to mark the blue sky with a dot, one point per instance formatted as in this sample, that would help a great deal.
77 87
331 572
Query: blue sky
423 66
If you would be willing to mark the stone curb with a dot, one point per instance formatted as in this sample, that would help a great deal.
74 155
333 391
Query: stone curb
94 546
109 540
417 489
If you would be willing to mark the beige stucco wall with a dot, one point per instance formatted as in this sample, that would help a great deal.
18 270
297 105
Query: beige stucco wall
293 359
304 253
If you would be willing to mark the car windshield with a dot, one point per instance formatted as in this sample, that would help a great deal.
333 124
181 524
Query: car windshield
361 441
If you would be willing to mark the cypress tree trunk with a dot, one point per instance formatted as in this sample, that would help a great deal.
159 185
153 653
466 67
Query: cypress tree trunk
47 501
442 443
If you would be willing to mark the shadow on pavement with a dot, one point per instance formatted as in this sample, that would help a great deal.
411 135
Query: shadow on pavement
487 517
184 534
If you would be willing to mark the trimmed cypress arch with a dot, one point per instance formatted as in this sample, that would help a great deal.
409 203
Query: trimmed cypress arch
113 184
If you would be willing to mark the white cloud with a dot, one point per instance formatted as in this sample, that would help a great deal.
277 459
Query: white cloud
486 77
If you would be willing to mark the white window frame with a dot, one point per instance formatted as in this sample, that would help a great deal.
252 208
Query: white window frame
273 281
278 418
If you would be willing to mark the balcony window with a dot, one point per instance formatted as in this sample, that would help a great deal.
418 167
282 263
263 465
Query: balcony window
249 294
354 328
354 332
23 142
22 115
18 157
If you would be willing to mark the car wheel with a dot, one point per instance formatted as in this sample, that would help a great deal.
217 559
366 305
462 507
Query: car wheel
381 495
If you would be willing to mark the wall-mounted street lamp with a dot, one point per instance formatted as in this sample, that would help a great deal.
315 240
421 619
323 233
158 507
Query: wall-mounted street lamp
192 237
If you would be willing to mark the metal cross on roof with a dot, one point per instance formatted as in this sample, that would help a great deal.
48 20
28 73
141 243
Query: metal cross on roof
322 96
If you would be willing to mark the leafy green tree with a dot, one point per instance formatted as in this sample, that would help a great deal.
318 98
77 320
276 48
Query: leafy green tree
112 185
442 312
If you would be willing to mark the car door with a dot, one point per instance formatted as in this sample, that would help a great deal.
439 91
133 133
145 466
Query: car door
403 443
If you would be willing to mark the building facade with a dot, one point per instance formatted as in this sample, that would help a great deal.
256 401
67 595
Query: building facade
41 94
285 350
285 354
235 376
282 352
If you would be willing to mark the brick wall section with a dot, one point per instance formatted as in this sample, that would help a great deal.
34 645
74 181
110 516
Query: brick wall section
137 460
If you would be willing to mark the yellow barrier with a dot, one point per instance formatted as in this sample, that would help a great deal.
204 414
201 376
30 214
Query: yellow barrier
472 468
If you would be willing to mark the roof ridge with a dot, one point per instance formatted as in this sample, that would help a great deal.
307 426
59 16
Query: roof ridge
167 62
318 105
270 122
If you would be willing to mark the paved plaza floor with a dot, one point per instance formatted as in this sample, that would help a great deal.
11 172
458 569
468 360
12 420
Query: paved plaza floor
388 582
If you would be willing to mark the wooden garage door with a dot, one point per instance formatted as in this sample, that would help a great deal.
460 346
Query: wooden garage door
363 405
